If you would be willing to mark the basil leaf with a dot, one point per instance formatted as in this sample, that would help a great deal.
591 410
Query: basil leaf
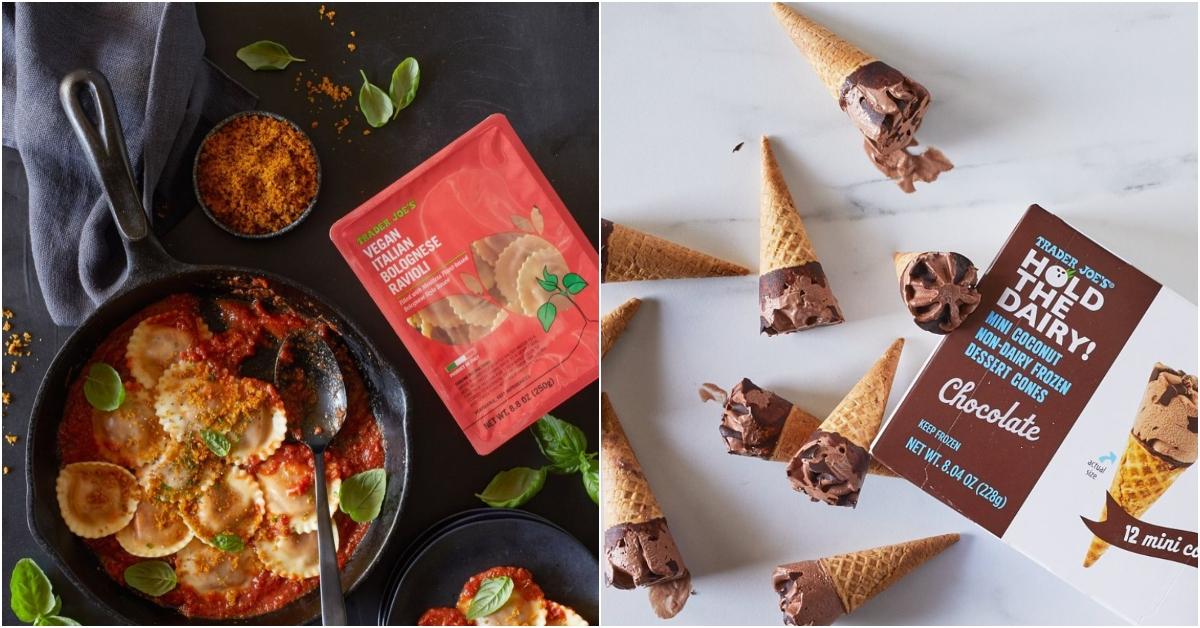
266 55
217 442
573 283
30 593
546 314
492 594
513 487
227 542
361 496
152 577
375 105
590 470
57 608
103 388
405 79
561 443
55 620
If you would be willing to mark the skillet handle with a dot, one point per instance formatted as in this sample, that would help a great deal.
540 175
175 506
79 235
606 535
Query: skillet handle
105 148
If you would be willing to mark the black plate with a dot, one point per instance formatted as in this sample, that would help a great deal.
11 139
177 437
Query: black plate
561 565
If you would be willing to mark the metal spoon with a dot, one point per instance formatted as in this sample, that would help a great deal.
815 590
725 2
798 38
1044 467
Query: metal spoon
305 360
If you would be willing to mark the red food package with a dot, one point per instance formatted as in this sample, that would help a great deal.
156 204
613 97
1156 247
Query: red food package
489 282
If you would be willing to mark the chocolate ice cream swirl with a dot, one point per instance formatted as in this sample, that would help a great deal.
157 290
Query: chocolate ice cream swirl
753 420
807 595
905 168
641 554
791 299
939 289
829 468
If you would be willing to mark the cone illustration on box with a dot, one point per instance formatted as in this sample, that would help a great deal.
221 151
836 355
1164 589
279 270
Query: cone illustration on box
833 463
638 546
817 592
627 254
613 324
1161 446
885 105
793 292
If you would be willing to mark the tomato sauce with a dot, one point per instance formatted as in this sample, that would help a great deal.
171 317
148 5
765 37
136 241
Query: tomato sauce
250 326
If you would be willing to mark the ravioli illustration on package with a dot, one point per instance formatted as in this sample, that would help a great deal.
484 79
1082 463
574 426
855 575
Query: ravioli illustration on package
483 274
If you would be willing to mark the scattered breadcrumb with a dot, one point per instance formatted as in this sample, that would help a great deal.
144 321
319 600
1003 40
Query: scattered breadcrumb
5 469
12 368
326 87
366 131
341 125
6 397
11 439
18 344
351 47
353 34
8 313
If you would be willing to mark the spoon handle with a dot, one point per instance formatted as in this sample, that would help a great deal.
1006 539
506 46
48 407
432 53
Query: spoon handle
333 605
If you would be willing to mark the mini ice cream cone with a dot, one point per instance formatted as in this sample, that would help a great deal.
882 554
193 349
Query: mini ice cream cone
796 428
817 592
859 415
834 461
832 57
631 255
627 494
793 291
1142 477
613 324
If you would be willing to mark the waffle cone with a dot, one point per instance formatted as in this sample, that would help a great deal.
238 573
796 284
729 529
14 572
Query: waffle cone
860 576
798 426
859 415
627 494
614 323
832 57
783 241
878 469
1142 477
632 255
902 260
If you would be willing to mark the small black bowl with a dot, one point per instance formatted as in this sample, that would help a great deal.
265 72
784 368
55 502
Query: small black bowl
213 217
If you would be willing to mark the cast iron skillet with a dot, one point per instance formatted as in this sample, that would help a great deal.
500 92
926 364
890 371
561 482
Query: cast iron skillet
151 276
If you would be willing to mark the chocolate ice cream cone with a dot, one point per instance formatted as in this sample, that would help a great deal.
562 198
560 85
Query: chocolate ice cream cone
639 549
1161 446
1142 477
627 254
817 592
793 292
832 57
614 323
835 459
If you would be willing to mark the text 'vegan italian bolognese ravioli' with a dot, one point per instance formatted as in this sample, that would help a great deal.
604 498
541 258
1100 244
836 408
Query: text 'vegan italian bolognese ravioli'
131 435
232 505
156 530
156 343
207 570
290 554
96 498
288 487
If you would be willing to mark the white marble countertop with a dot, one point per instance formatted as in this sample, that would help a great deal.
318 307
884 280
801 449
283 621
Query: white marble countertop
1088 110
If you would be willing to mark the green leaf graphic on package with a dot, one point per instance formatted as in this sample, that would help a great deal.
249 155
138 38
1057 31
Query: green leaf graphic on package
565 446
518 273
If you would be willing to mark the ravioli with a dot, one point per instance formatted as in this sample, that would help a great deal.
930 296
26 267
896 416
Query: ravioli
232 505
207 570
191 396
184 470
96 498
156 530
288 488
153 346
131 435
291 554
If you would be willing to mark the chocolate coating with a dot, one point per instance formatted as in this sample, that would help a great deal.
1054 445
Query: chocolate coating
939 290
668 597
807 596
606 229
885 105
753 420
796 298
641 554
829 468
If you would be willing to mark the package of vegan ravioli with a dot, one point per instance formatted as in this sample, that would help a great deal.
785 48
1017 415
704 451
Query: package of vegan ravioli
489 282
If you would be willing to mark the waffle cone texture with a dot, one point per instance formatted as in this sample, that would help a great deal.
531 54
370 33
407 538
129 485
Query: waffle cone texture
860 576
627 494
1141 479
783 241
901 261
832 57
632 255
859 415
613 324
